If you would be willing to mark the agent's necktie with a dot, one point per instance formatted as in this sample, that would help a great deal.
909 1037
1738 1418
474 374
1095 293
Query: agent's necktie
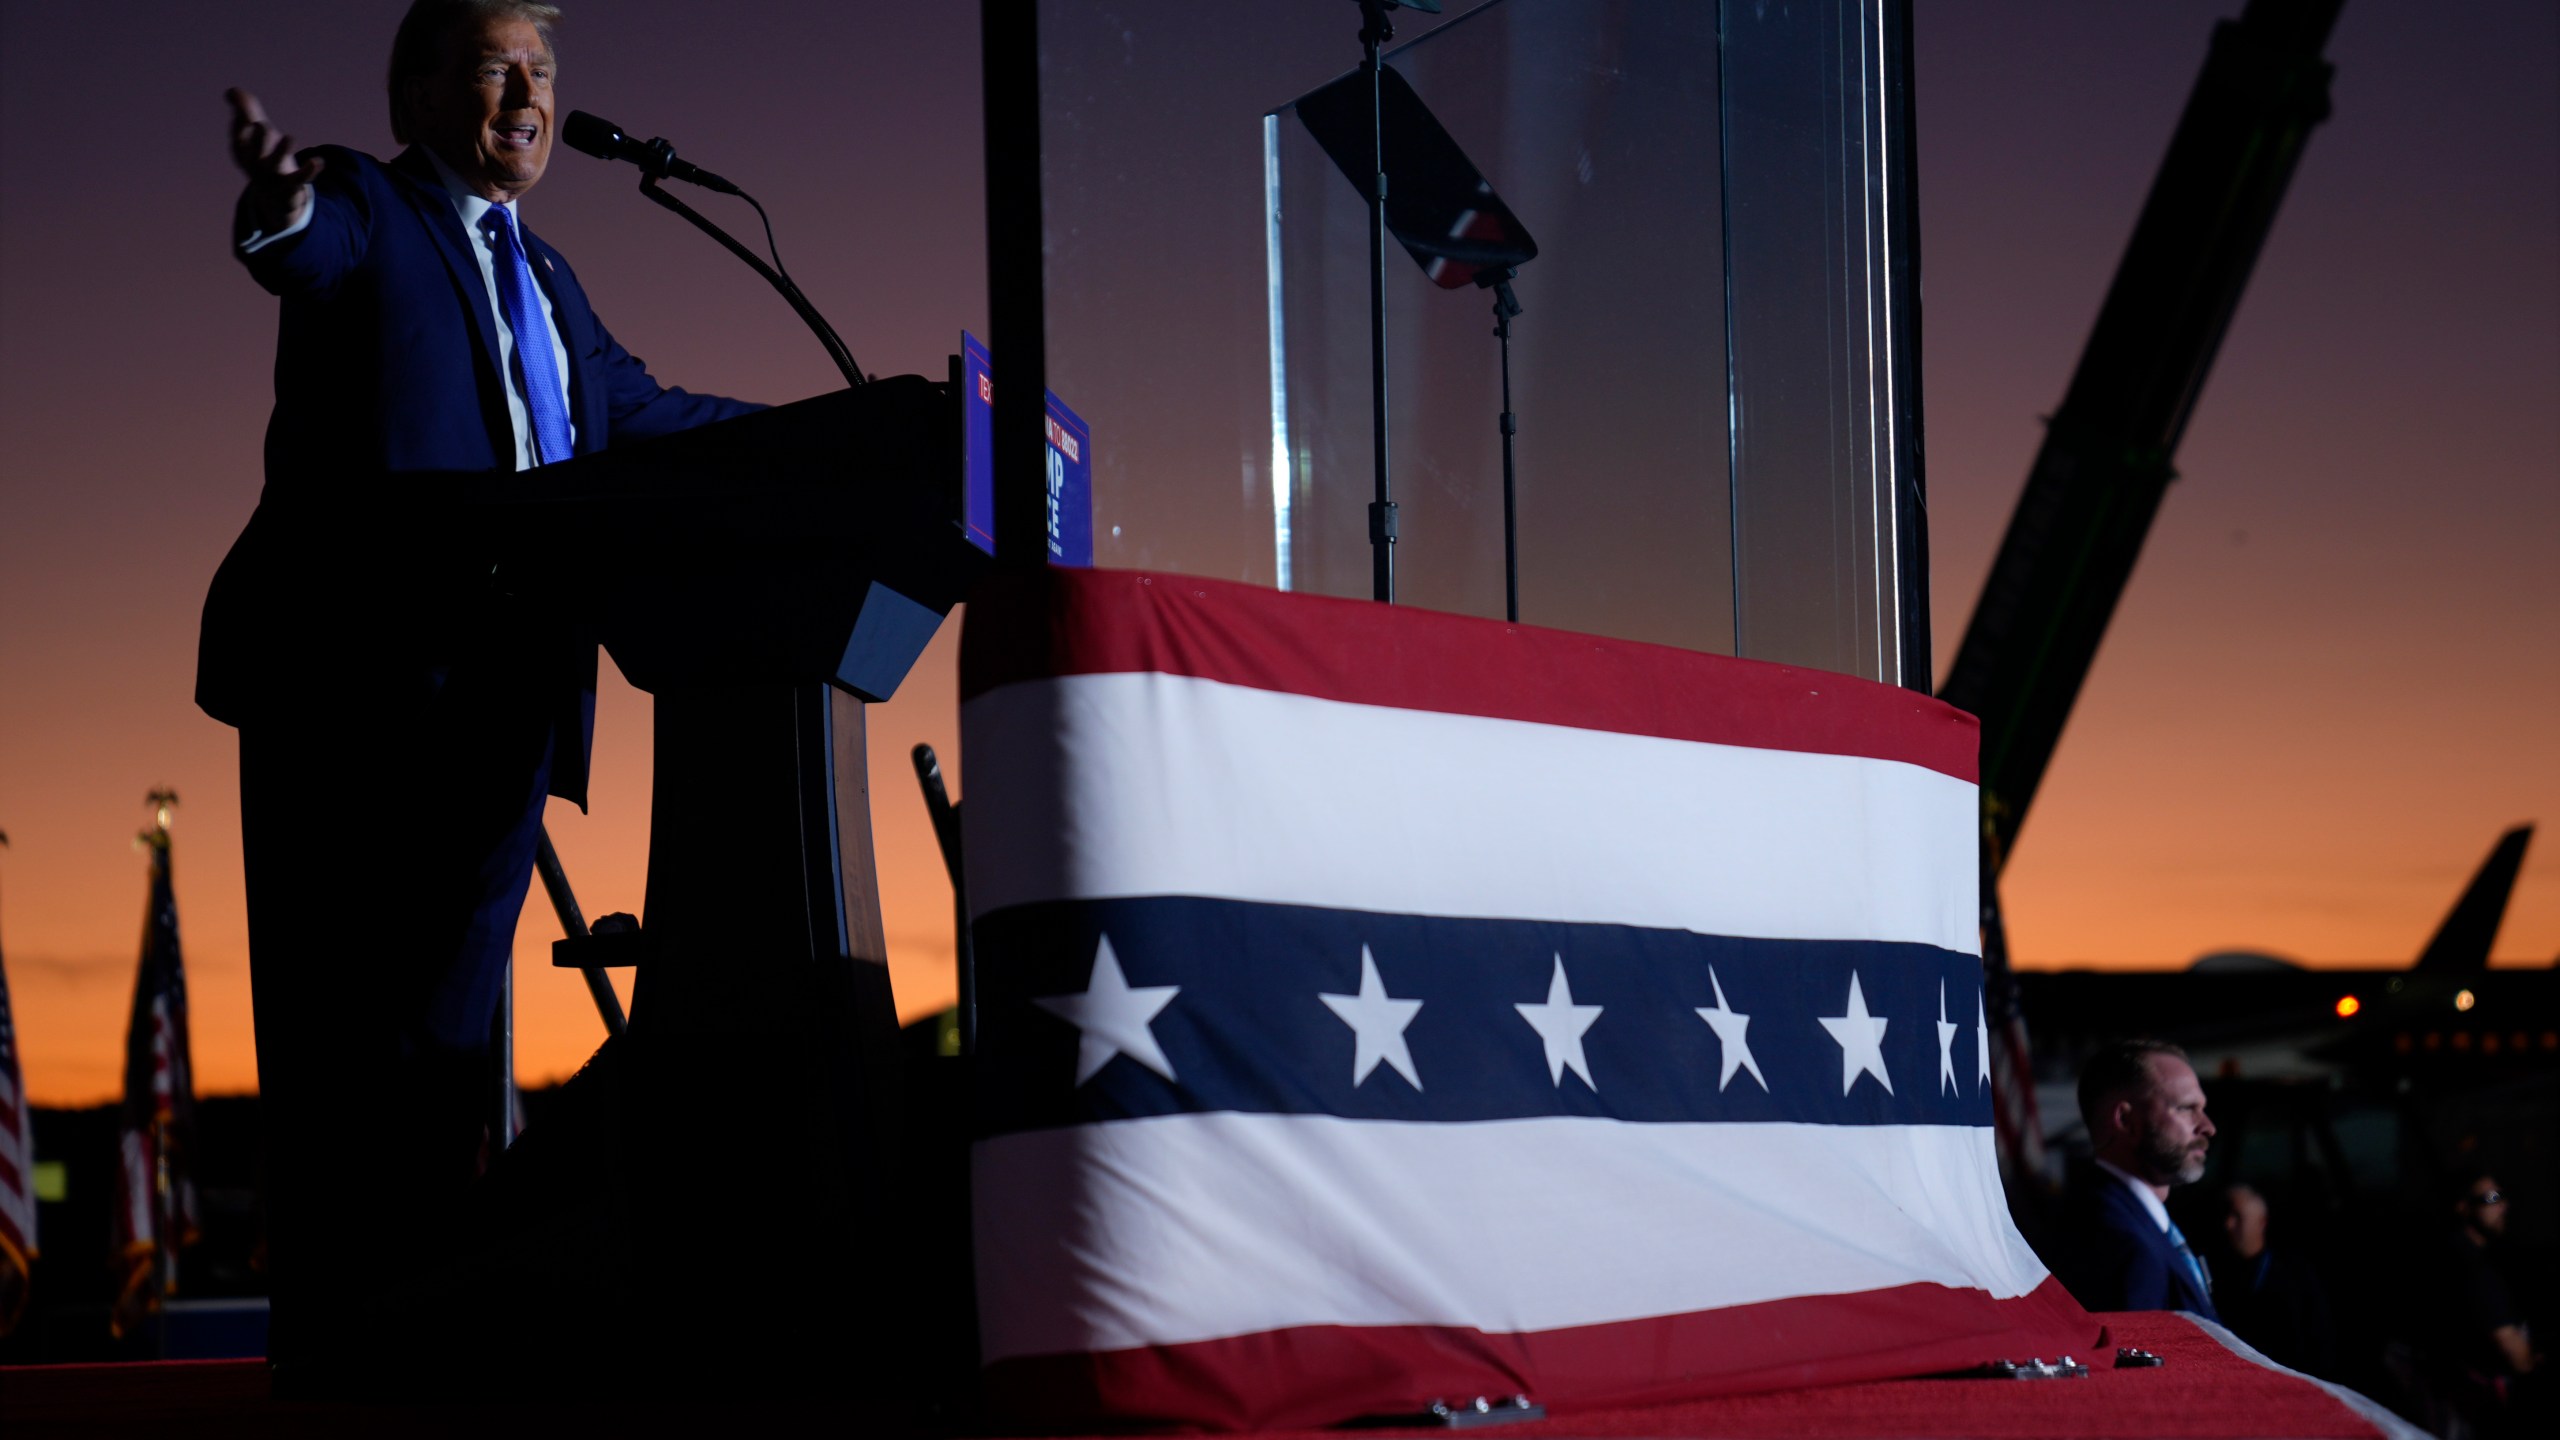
545 403
2187 1257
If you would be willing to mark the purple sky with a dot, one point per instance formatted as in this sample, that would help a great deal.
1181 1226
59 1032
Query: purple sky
2329 687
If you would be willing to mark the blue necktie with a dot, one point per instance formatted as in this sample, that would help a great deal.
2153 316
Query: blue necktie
2187 1256
544 401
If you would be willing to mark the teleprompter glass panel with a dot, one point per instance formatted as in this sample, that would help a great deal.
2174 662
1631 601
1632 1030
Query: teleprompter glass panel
1157 301
1822 272
1595 123
1707 244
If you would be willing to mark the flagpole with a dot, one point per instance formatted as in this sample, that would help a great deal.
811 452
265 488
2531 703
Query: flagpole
164 1210
159 1096
164 1256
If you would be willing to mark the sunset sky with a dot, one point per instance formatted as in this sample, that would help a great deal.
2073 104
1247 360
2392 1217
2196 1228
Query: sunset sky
2315 712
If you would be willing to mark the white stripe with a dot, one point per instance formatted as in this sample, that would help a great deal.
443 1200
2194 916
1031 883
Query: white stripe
18 1205
1182 1228
2391 1426
1096 786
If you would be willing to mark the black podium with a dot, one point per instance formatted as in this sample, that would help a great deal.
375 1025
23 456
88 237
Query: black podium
712 1200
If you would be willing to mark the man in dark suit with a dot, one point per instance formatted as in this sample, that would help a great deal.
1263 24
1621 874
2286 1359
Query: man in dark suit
2268 1293
2148 1131
401 719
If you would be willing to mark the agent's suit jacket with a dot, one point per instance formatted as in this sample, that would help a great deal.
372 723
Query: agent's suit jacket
2114 1257
387 363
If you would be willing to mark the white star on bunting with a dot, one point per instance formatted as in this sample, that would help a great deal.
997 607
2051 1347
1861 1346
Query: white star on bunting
1981 1043
1946 1044
1729 1028
1560 1024
1377 1022
1861 1038
1113 1016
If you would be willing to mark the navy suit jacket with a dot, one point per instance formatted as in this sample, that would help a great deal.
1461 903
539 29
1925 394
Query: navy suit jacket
387 363
2115 1258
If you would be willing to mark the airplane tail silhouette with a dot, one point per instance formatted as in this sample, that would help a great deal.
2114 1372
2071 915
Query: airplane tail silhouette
2461 943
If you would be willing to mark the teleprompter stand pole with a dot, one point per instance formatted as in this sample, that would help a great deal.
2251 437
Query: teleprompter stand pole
1506 306
1376 30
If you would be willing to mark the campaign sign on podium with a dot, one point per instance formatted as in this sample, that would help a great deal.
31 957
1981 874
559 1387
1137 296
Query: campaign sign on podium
1070 464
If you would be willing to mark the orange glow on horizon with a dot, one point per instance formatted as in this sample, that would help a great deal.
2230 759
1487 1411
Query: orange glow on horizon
2325 693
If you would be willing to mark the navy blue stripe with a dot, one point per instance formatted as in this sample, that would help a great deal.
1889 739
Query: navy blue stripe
1247 1032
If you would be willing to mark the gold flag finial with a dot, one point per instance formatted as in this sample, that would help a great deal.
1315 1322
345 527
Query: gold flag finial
164 804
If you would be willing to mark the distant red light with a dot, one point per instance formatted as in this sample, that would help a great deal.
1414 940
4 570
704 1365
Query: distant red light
2348 1005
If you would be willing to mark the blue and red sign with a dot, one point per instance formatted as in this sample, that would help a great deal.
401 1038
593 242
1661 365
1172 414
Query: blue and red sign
1070 479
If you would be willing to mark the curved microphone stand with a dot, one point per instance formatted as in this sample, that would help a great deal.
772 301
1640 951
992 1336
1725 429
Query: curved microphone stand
800 305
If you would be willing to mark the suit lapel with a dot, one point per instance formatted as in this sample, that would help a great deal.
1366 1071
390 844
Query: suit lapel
2185 1280
2135 1219
427 195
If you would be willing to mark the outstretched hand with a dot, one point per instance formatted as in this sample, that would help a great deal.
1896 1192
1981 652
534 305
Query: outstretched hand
279 184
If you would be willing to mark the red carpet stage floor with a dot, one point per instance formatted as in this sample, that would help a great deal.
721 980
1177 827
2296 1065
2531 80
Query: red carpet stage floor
2209 1387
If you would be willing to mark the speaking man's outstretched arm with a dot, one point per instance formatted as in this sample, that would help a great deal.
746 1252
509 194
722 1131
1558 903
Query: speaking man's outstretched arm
296 231
279 193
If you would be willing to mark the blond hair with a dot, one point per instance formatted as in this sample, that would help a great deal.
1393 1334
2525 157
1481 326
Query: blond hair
418 46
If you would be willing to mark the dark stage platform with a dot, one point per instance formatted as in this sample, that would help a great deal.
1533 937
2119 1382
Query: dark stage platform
2210 1387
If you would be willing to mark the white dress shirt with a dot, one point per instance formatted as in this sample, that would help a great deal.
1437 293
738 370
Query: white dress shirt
472 207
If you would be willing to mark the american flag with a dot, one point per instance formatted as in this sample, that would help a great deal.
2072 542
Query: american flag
1380 1007
2019 1122
17 1171
156 1213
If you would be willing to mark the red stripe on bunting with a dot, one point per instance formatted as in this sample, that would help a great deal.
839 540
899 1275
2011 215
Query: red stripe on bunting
1321 1375
1092 622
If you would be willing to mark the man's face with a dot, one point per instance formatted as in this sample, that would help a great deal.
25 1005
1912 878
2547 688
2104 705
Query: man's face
2167 1123
2244 1221
487 111
2486 1207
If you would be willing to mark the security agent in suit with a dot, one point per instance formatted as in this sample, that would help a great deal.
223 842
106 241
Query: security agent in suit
401 719
2119 1250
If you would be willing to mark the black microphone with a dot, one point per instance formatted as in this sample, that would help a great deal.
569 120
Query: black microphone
604 140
